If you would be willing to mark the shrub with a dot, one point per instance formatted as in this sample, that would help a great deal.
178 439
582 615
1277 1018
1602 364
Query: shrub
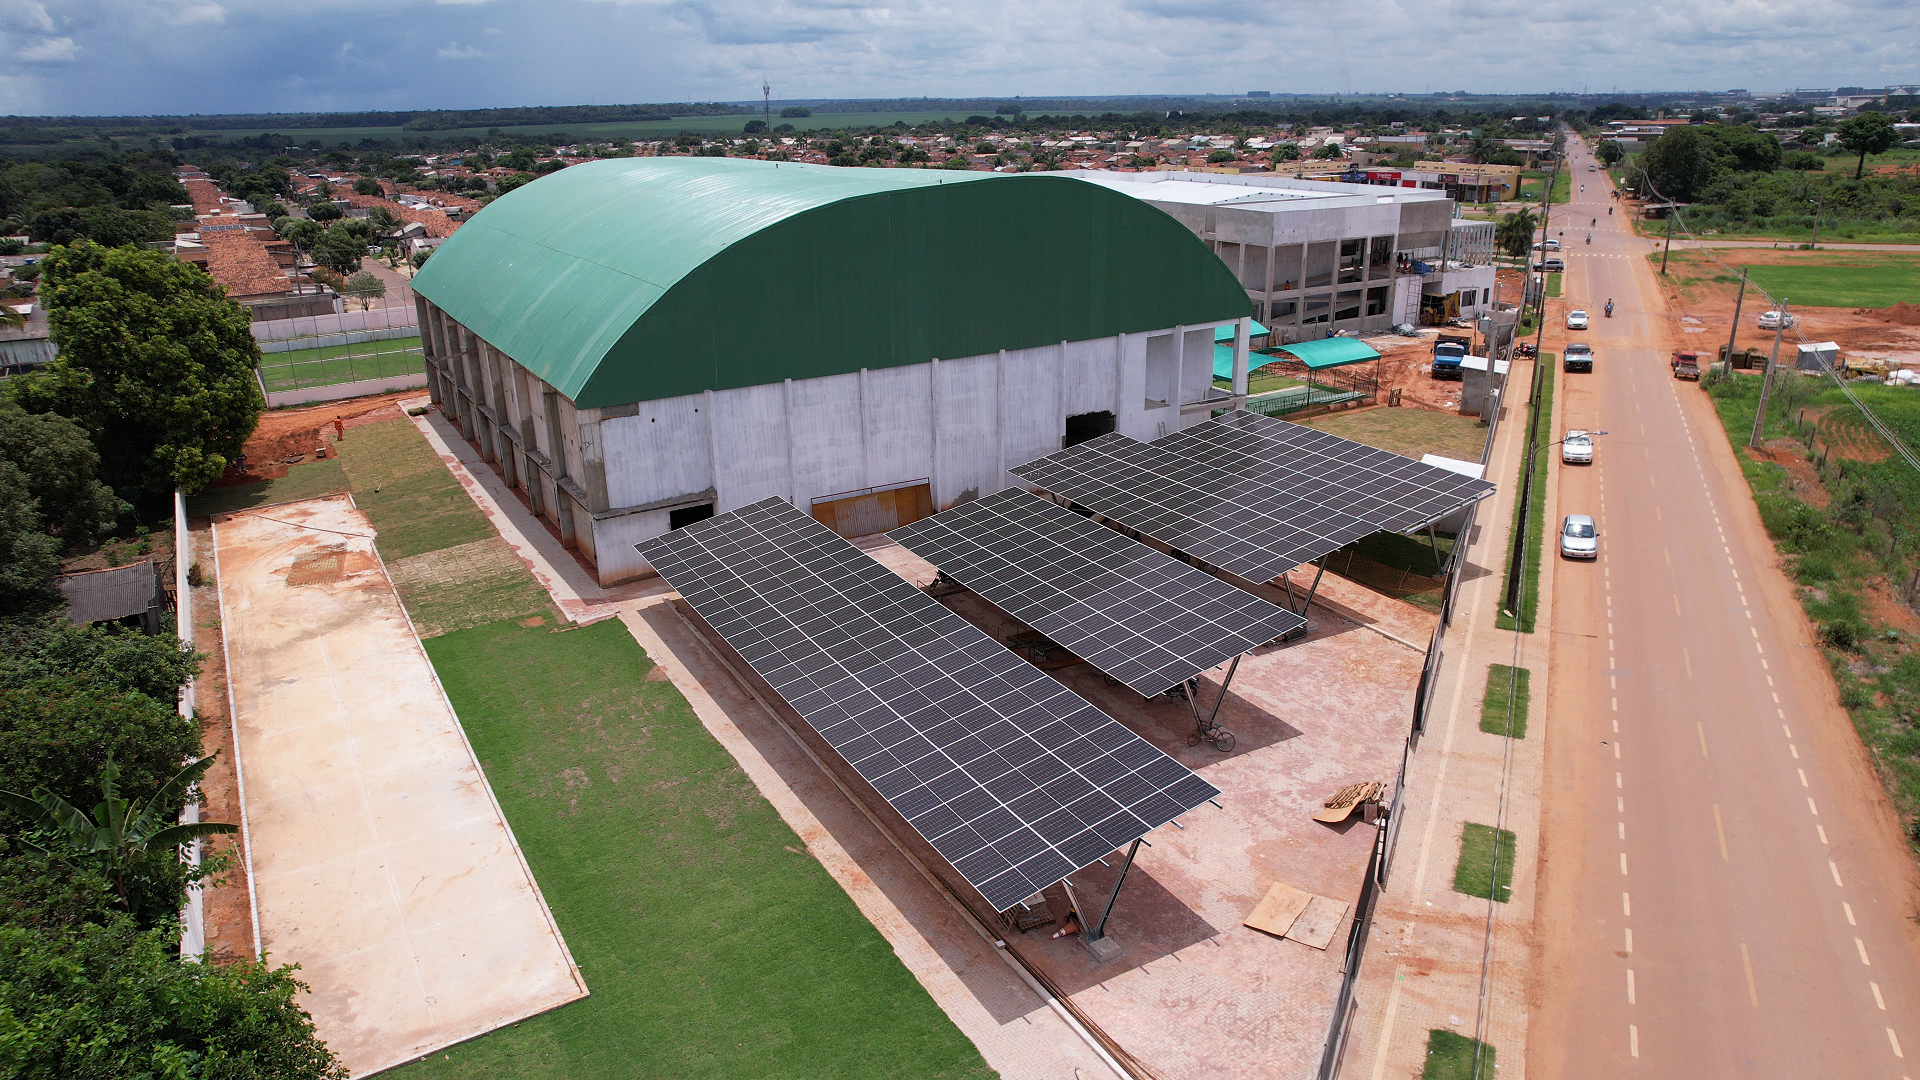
56 733
111 1000
108 658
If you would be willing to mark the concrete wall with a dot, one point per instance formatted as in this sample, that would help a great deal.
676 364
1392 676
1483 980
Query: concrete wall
609 478
343 391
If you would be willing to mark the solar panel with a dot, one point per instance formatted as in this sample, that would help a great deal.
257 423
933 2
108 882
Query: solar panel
1143 617
1253 500
1393 492
1015 780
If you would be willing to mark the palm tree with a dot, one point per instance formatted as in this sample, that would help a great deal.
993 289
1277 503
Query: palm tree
121 834
1515 232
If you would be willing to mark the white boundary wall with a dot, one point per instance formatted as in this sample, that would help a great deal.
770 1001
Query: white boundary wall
193 925
380 318
343 391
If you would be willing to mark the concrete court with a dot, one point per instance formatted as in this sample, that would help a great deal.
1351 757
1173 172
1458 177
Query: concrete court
381 863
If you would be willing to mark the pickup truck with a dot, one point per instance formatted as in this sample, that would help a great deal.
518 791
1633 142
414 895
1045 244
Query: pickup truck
1448 351
1578 357
1686 365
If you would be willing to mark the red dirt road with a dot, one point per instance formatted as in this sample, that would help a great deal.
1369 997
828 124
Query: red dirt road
1724 888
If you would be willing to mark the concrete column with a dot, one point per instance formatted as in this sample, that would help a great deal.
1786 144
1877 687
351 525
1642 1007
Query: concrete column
1060 393
1241 330
866 458
786 417
934 483
593 460
1119 377
999 418
713 453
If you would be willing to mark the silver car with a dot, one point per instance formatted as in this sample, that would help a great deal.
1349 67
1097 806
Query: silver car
1577 448
1579 539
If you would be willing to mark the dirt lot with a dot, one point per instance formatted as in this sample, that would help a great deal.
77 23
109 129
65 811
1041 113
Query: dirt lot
289 437
1701 289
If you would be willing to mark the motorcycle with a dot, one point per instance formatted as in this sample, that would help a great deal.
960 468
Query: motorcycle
1609 309
1589 238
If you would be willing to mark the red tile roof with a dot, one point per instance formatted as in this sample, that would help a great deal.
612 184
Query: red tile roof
241 263
205 195
437 222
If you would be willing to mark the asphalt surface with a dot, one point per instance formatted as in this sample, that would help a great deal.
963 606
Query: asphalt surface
1724 888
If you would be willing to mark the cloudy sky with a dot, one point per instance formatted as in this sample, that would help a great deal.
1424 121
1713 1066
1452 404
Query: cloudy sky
224 56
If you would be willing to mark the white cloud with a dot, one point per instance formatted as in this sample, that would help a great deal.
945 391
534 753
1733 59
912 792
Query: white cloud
31 15
456 51
58 50
208 13
493 31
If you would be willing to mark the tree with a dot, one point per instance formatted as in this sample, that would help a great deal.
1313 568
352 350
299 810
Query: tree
1867 133
61 469
1803 161
1515 232
325 210
29 557
1327 152
754 127
1219 156
795 112
1610 152
107 658
1285 152
367 185
108 999
340 251
303 234
1681 162
155 362
366 287
122 836
420 257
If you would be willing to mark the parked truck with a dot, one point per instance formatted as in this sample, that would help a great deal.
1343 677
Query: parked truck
1448 351
1685 364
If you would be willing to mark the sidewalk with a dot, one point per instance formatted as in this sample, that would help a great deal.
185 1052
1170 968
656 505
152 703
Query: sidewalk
1423 965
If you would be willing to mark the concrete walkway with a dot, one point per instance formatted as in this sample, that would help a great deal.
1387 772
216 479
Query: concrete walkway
1423 966
381 863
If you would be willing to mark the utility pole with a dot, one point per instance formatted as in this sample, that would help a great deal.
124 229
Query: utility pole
1669 247
1817 207
1766 381
1734 332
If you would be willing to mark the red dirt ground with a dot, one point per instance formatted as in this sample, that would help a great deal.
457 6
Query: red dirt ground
290 437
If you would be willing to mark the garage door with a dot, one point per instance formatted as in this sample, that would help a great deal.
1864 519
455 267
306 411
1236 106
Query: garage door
875 510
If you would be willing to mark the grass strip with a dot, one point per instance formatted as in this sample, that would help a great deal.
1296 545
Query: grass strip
1523 618
1474 875
713 943
1553 284
1450 1057
1495 718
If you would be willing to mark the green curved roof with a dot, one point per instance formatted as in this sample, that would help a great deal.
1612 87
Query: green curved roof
633 279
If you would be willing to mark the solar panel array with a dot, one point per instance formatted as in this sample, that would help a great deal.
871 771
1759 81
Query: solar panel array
1143 617
1015 780
1252 495
1389 491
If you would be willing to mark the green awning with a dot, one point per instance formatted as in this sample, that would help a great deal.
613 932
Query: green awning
1225 333
1330 352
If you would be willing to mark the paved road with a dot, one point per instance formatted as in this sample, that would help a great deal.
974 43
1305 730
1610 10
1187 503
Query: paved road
1724 892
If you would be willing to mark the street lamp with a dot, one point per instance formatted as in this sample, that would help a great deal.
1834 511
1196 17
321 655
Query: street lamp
1817 205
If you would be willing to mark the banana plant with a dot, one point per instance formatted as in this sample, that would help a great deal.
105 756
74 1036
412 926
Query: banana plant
121 833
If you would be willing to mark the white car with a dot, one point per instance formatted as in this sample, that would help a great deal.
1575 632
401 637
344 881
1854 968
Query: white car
1576 320
1775 320
1577 447
1547 245
1578 538
1589 168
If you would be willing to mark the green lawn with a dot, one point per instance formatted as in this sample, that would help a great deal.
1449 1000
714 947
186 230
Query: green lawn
1523 619
334 364
1531 180
1504 682
301 482
713 944
1883 282
1553 284
1450 1057
1410 432
1474 875
407 492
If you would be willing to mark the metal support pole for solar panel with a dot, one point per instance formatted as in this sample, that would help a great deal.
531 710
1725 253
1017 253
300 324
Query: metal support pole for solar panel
1099 929
1322 563
1438 566
1215 714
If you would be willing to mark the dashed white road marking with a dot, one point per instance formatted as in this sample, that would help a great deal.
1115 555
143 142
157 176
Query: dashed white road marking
1862 946
1746 961
1848 908
1721 831
1626 905
1831 865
